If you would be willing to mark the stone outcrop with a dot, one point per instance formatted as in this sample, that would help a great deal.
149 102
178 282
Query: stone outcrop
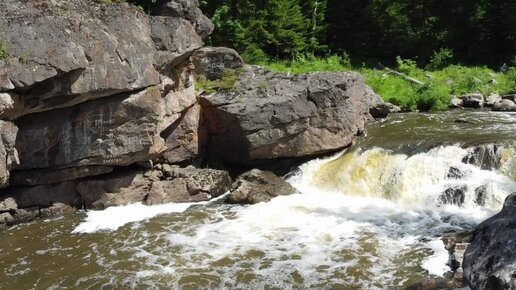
272 115
98 107
257 186
163 184
489 261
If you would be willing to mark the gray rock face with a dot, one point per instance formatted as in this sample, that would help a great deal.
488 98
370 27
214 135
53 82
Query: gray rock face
189 10
472 100
270 115
118 130
50 176
257 186
504 105
163 184
213 62
490 259
8 153
85 51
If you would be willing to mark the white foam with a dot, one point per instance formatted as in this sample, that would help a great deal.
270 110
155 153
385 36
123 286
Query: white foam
115 217
437 263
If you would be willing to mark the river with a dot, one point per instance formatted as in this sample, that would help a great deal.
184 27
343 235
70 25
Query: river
370 217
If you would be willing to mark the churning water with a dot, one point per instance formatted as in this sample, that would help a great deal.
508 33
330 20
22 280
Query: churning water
368 218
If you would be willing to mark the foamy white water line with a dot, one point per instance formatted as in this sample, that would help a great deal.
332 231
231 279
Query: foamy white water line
115 217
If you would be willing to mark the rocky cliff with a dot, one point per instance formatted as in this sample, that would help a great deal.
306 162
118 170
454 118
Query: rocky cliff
98 100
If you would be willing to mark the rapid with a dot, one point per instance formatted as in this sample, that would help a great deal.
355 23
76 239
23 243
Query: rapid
370 217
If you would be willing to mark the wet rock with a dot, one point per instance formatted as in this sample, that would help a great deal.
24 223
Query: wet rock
214 62
456 243
258 186
456 102
189 185
120 189
484 156
472 100
481 195
8 152
269 115
493 99
24 215
49 176
43 195
504 106
57 209
454 195
456 173
489 259
163 184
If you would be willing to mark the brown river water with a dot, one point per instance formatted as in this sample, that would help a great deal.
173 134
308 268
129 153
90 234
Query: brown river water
367 218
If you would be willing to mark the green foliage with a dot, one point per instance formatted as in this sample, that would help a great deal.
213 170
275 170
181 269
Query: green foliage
226 83
307 63
440 59
3 49
438 86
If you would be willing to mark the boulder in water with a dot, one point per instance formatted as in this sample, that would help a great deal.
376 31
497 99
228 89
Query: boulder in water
490 259
474 100
456 102
504 105
453 195
481 195
493 99
258 186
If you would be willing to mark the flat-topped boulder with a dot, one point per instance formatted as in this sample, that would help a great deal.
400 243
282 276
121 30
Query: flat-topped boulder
267 115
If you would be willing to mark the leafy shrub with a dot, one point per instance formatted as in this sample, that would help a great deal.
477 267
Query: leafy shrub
440 59
226 83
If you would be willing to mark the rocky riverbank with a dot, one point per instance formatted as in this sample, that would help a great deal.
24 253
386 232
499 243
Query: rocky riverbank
103 105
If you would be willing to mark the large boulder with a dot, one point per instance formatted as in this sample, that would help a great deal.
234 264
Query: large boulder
270 115
474 100
214 62
490 259
81 50
257 186
504 105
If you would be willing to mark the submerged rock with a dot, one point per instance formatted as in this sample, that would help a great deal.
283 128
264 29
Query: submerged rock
490 259
258 186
